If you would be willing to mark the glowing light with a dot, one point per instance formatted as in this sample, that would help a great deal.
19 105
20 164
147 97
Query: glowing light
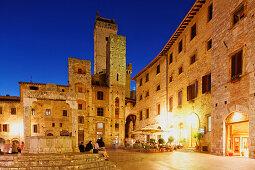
237 117
16 128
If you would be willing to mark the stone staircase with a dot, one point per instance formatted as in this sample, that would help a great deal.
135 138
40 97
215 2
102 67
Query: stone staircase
66 161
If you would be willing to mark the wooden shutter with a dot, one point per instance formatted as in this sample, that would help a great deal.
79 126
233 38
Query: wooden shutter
196 89
204 84
8 127
188 93
180 98
1 127
170 104
239 63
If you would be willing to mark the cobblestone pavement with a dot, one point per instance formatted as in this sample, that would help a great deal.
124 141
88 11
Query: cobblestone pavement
127 160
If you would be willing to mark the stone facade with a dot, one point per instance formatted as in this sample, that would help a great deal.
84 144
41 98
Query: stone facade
90 107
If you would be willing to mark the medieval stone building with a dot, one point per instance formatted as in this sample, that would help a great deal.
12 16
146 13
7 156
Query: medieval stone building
202 81
90 107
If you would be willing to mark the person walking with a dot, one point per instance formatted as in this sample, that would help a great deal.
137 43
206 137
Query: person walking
14 148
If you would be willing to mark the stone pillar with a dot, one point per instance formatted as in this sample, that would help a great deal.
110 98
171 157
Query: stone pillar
27 106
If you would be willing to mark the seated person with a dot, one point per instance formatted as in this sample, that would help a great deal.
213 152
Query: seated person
89 146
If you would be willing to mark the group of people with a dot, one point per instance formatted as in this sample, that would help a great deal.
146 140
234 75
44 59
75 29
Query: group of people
14 148
98 148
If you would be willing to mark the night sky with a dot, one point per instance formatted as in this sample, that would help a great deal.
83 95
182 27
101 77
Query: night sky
38 36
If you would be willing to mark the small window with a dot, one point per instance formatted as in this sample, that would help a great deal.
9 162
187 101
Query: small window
32 112
179 98
209 44
210 12
147 77
47 112
79 106
238 14
193 59
53 124
158 69
64 112
170 79
100 111
141 115
141 97
170 104
192 91
100 125
63 90
236 64
117 102
147 113
117 112
158 110
180 70
158 88
13 111
117 77
5 128
81 119
1 110
80 89
33 88
193 31
106 38
100 95
170 58
117 126
209 123
180 46
141 82
35 128
79 70
60 124
147 94
206 83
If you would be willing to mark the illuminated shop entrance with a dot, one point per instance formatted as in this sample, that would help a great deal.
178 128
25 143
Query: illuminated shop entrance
237 134
193 129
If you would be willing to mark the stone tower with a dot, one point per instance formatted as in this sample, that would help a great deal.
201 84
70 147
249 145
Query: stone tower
102 30
128 74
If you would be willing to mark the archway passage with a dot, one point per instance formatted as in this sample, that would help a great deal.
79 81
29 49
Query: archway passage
193 126
130 125
237 134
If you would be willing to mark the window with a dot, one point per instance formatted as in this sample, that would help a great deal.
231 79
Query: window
117 112
117 102
170 58
170 104
117 77
238 14
35 128
180 70
100 95
13 111
170 79
47 112
147 77
147 113
5 128
180 46
1 110
81 119
79 106
209 124
141 97
179 98
210 12
60 124
236 64
100 111
158 109
32 112
193 59
79 70
206 83
147 94
209 44
117 126
141 115
100 125
141 82
193 31
80 89
106 38
53 124
64 112
33 88
158 69
192 91
158 88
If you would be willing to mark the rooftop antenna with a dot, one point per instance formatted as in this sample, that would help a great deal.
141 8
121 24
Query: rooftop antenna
31 78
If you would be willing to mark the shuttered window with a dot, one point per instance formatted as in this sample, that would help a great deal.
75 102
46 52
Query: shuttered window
170 104
192 91
236 64
206 83
179 98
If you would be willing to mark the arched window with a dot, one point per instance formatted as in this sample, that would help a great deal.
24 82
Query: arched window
49 134
117 102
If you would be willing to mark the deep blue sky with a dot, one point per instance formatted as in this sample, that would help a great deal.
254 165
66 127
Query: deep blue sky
37 36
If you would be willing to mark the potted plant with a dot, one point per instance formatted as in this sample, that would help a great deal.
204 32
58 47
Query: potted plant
198 137
235 78
170 140
182 143
152 141
161 141
230 153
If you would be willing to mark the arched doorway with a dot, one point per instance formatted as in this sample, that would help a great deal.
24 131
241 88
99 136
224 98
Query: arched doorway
193 128
237 134
130 125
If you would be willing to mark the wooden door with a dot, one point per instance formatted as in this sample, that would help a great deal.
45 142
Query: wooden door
237 145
